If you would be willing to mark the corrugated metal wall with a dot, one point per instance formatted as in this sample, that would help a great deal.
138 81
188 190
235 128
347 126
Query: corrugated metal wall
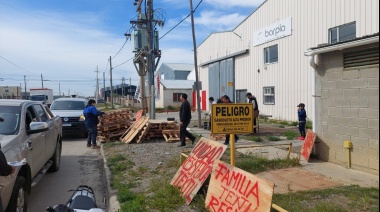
291 75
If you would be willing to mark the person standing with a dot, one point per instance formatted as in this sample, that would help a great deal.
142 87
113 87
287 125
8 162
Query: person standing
185 118
5 170
91 115
302 121
227 100
252 99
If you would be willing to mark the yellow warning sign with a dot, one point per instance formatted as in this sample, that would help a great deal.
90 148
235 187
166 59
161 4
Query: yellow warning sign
232 118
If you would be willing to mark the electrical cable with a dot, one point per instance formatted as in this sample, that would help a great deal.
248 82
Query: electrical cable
182 20
18 66
120 49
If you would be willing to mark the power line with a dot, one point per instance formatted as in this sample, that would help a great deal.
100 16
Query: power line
124 63
18 66
120 49
182 20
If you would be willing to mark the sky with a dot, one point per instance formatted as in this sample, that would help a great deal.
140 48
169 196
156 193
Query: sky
68 41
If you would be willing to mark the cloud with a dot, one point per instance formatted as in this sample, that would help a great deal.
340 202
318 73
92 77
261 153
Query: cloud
217 21
234 3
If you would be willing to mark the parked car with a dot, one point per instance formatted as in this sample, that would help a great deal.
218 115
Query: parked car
71 112
27 131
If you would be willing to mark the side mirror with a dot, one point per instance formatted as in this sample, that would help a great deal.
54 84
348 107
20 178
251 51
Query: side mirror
38 127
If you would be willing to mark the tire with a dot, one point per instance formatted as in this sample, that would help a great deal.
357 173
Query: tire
19 197
56 158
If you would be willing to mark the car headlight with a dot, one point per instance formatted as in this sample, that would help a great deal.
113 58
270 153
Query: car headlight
82 118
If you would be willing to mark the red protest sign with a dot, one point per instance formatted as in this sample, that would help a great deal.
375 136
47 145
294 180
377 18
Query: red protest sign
308 144
233 189
197 167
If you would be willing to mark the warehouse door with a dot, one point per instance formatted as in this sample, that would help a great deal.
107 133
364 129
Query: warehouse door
222 79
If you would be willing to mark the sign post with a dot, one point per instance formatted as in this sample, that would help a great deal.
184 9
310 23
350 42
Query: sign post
231 119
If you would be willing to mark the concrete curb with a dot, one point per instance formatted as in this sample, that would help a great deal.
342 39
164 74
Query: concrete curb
113 204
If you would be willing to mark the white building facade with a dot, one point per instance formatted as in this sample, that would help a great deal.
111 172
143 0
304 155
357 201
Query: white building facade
323 53
264 55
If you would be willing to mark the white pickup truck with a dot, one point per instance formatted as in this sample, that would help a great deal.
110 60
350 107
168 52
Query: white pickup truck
28 130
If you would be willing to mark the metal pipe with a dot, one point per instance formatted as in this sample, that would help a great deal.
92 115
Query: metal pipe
233 149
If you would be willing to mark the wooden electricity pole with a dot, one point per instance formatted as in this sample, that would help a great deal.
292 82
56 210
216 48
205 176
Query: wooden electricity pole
197 87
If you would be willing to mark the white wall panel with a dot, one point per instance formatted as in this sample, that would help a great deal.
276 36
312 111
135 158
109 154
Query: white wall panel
292 75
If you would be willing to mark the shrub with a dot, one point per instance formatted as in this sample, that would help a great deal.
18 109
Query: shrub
273 138
170 107
291 135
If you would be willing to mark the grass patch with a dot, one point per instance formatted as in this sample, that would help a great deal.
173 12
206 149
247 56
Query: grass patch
281 126
273 138
255 164
290 135
345 198
309 125
285 123
166 197
254 138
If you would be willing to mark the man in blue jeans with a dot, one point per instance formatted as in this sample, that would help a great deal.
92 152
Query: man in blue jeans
91 114
302 121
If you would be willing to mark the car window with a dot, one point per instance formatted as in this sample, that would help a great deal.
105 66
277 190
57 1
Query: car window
68 105
9 120
41 113
30 117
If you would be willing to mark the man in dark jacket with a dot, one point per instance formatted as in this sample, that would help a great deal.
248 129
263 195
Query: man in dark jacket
5 170
185 117
91 114
252 99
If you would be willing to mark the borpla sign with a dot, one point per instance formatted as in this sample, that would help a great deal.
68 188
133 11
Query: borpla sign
233 189
197 167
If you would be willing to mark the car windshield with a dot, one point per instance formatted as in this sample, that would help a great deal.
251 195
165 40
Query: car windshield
37 98
68 105
9 120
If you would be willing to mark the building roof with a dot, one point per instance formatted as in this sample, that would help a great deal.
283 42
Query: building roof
179 66
320 46
178 84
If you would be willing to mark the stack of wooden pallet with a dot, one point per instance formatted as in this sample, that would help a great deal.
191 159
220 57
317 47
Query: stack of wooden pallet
145 129
114 124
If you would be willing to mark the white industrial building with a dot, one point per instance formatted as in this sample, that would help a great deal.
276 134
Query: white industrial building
265 55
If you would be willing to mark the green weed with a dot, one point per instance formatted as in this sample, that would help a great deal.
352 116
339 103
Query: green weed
273 138
291 135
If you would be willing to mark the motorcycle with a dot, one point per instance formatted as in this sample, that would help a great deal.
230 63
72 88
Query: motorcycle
82 200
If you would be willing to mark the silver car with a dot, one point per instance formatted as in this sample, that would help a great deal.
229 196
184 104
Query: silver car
71 112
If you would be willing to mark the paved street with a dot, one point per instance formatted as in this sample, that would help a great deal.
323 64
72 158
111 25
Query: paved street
79 165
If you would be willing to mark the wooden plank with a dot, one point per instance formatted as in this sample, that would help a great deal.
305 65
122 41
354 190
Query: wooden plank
229 183
143 133
171 136
135 130
201 159
308 144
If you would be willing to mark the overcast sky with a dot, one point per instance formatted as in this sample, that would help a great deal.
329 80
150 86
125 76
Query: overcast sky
66 41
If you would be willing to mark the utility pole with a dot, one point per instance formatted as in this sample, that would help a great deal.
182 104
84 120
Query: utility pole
42 81
151 59
122 86
111 82
26 97
59 84
104 89
196 66
130 91
97 84
146 54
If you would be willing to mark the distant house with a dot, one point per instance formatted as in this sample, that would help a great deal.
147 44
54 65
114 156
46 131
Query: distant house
175 71
171 91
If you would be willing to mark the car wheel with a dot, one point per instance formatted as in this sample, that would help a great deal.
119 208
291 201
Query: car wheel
19 197
56 158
